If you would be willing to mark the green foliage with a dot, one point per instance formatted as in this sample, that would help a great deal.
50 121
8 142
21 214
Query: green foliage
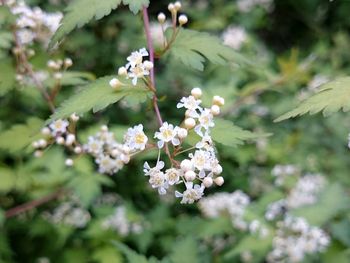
8 180
98 95
7 76
136 5
20 135
131 255
331 98
226 133
193 47
80 12
185 251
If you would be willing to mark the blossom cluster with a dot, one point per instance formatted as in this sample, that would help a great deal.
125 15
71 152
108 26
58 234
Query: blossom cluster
69 213
120 223
33 24
201 169
282 172
295 238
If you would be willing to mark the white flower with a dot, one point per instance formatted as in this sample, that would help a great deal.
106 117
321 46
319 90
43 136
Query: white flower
205 121
173 176
135 138
234 36
190 103
59 127
191 194
138 72
136 58
201 160
158 180
150 171
94 145
166 133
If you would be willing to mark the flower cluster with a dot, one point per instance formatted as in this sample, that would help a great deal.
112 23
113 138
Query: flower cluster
33 24
295 238
119 222
136 68
69 213
201 169
111 155
282 172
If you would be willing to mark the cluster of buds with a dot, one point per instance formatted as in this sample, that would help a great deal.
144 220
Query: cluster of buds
136 68
59 65
201 169
174 8
110 155
59 132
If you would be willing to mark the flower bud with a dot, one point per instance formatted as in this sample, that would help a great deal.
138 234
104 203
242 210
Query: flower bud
219 181
60 140
42 143
177 5
217 169
58 75
207 182
186 165
190 175
190 123
161 18
69 162
68 62
217 100
115 83
104 128
171 7
148 64
35 144
70 139
183 19
122 71
78 150
74 117
196 92
182 133
215 110
38 154
45 131
52 64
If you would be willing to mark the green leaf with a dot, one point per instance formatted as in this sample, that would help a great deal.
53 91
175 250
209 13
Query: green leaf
185 251
20 135
193 47
131 255
7 76
341 231
98 95
331 202
80 12
7 179
107 254
136 5
226 133
5 39
332 97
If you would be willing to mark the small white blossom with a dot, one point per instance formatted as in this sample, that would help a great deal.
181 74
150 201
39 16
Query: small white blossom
193 193
135 138
59 127
167 133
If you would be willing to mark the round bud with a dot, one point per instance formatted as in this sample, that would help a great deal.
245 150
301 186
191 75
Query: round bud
122 71
35 144
42 143
161 18
60 140
45 131
182 133
78 150
190 175
126 149
68 62
171 7
104 128
219 181
217 100
31 52
148 64
74 117
218 169
177 5
52 64
190 123
207 182
183 19
125 158
69 162
187 113
196 92
70 139
115 83
186 165
58 75
215 110
38 154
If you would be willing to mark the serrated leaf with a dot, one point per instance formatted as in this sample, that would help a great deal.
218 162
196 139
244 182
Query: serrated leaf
80 12
226 133
332 97
193 47
131 255
20 135
97 96
136 5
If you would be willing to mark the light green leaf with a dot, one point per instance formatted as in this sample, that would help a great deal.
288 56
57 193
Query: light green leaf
193 47
226 133
7 179
7 76
331 98
136 5
20 135
107 254
131 255
98 95
331 202
5 39
80 12
185 251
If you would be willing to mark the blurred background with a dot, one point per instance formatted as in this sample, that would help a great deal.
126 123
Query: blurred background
294 47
